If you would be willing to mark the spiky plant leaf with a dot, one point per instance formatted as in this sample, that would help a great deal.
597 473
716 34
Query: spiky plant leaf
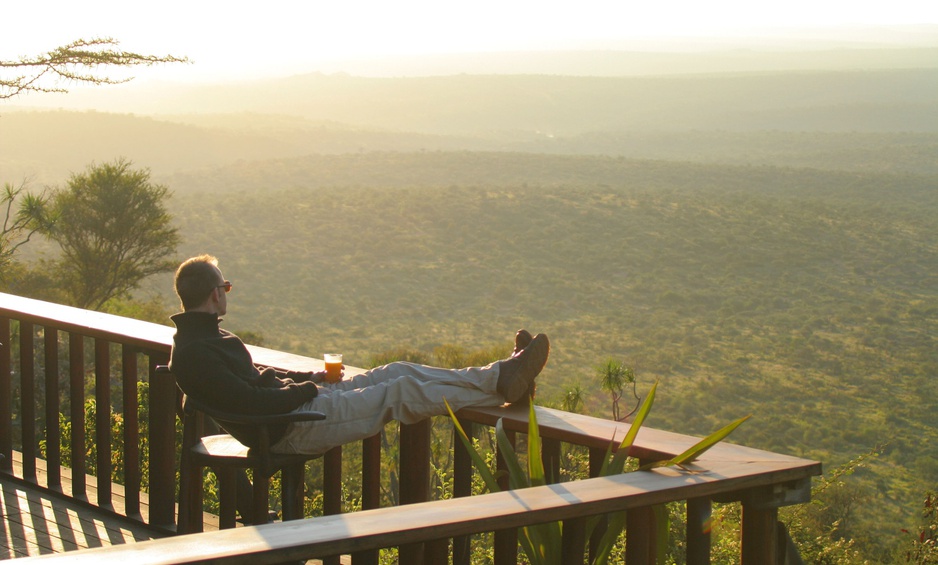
700 447
490 480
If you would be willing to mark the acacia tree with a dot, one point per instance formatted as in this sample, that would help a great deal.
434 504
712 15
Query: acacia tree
81 61
114 231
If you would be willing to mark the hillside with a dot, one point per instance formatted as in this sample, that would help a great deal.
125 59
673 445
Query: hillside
845 100
740 288
47 146
844 119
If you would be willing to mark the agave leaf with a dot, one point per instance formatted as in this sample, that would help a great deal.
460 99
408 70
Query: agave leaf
487 477
536 472
529 547
616 465
517 478
701 446
540 542
622 454
614 527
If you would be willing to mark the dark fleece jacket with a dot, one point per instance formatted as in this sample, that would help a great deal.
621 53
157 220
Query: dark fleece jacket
213 366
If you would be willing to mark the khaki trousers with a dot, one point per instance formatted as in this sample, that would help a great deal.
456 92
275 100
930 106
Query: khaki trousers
359 407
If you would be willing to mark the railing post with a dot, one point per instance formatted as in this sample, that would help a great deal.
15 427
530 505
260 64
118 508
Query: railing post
759 535
760 532
699 512
28 401
462 485
6 398
371 490
102 420
641 528
371 472
332 481
597 459
162 444
53 433
506 541
415 477
132 475
332 489
76 400
574 541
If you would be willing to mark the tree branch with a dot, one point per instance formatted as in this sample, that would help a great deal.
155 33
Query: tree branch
79 61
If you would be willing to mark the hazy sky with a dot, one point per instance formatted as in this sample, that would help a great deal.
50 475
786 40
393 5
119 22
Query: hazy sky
233 37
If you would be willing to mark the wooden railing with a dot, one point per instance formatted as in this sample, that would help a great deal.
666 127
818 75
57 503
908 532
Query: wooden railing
49 349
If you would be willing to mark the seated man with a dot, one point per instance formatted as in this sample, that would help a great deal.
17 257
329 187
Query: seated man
213 366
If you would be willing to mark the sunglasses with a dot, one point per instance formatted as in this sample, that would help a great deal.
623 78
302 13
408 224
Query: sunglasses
226 285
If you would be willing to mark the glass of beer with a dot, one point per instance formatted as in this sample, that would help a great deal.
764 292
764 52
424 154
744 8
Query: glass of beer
333 367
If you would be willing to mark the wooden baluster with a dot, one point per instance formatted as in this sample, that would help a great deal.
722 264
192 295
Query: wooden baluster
371 490
641 531
506 541
415 477
371 472
762 539
76 400
53 433
102 421
28 401
132 475
162 396
574 541
698 531
6 398
462 486
332 489
759 535
597 458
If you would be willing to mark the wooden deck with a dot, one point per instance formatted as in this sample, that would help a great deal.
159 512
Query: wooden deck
36 522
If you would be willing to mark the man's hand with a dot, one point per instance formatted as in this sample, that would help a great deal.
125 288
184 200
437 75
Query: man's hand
317 377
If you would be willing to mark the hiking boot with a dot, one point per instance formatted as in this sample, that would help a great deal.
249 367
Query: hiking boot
516 375
522 339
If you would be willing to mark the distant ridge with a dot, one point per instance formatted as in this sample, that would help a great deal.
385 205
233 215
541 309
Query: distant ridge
847 100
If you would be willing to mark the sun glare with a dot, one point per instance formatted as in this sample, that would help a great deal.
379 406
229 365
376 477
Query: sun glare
269 37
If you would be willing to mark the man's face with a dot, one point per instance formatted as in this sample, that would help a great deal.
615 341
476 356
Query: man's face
221 294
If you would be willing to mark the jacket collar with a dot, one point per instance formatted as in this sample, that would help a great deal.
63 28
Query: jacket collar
196 324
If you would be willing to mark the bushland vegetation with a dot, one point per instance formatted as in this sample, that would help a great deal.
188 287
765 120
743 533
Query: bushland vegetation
804 297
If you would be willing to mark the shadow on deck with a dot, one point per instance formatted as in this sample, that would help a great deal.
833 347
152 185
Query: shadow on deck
39 522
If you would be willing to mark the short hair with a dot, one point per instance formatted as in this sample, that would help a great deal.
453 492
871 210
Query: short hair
195 280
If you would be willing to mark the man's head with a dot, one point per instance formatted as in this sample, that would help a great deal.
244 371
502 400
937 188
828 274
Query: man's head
200 285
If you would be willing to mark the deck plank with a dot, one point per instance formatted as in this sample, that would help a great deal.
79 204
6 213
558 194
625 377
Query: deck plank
36 522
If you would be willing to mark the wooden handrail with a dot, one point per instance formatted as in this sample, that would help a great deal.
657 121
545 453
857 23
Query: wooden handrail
443 519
